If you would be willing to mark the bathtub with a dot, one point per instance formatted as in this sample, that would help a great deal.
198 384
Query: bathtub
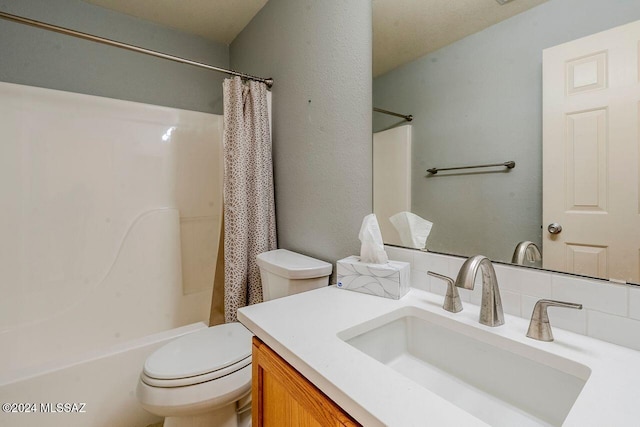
102 384
109 225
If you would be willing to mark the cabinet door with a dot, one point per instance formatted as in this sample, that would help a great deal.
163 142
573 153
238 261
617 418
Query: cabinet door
282 397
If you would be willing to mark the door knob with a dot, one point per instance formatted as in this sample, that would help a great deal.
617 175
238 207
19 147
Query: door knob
554 228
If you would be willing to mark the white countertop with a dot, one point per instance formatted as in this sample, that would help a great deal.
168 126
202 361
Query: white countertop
303 329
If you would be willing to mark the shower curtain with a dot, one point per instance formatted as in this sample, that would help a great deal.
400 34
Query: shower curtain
249 209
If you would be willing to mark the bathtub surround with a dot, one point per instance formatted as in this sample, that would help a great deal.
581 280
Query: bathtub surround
611 311
104 243
319 54
249 211
41 58
480 99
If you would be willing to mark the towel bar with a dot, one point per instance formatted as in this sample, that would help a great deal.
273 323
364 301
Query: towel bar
509 165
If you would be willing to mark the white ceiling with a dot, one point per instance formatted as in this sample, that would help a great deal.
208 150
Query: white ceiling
403 30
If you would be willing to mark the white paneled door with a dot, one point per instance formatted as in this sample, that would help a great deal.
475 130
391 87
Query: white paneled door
591 97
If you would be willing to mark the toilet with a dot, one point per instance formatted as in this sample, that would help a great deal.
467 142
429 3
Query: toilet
204 378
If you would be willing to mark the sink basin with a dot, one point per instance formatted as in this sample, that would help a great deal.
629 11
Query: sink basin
498 380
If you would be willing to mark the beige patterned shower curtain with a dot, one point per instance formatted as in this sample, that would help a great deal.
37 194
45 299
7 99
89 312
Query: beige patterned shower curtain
249 210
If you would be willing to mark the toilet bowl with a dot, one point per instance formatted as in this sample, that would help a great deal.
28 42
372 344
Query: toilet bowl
204 378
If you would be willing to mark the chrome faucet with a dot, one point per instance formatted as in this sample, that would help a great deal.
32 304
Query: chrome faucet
526 249
491 313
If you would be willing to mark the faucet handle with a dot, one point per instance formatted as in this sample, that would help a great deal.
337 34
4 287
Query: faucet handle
452 301
539 327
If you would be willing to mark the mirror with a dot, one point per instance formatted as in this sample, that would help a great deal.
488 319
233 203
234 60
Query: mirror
471 75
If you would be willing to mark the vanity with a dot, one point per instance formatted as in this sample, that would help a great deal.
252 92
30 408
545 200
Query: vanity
282 396
352 359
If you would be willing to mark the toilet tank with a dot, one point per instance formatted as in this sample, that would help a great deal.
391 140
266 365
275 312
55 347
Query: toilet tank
286 273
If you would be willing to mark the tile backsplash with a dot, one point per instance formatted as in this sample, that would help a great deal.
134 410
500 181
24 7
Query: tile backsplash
611 312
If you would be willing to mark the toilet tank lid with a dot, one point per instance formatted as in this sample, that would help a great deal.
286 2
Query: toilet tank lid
292 265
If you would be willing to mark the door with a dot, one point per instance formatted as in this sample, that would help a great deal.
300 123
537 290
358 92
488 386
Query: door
591 94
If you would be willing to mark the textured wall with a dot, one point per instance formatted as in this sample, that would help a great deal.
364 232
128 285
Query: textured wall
35 57
319 54
477 101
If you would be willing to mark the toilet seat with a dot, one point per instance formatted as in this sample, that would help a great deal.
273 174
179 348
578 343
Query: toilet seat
195 399
197 379
199 357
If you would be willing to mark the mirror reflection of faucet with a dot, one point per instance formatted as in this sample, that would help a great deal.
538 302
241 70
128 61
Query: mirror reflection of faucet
528 250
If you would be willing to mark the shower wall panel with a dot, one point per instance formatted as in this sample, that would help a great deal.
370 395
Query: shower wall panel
109 222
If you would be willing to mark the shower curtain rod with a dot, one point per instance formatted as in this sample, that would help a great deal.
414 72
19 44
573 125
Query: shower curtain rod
90 37
407 117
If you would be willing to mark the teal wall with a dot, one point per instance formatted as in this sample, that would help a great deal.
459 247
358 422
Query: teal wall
35 57
478 101
319 53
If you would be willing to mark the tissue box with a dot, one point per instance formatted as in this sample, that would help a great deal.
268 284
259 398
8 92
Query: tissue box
389 280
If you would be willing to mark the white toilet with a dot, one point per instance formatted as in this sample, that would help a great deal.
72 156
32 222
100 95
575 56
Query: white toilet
204 378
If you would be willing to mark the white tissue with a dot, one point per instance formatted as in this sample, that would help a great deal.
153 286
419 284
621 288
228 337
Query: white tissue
413 230
372 247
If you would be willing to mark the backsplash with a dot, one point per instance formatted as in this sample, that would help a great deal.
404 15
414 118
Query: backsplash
611 312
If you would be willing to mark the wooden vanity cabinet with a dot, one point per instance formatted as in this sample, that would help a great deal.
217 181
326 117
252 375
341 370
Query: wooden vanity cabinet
283 397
